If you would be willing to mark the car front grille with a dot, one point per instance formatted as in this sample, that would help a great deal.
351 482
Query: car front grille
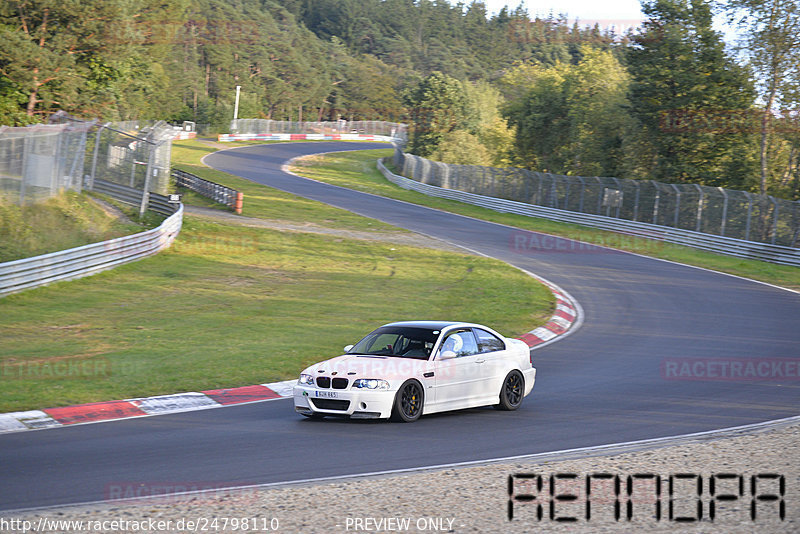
331 404
325 382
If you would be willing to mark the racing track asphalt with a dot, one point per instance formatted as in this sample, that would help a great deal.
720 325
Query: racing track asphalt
603 384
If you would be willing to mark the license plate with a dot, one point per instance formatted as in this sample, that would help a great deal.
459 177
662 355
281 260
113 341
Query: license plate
327 394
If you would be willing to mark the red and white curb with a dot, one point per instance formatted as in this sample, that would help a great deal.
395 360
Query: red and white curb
304 137
141 407
564 321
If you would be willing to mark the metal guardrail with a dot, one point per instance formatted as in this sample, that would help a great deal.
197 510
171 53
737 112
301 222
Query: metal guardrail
712 243
216 192
83 261
155 202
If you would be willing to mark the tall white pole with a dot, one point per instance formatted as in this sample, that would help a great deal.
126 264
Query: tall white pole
236 105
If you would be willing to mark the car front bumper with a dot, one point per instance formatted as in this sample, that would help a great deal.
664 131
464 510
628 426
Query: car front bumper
355 403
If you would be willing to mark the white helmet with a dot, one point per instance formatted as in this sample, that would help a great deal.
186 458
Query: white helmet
453 343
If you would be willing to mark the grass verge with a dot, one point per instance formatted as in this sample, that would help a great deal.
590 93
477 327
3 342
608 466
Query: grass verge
357 170
58 223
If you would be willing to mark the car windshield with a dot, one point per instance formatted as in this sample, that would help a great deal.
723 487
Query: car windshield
398 341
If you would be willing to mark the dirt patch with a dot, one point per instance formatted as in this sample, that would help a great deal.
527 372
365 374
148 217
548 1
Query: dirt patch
399 238
209 141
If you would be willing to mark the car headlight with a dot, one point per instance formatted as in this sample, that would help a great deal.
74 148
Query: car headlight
371 383
306 380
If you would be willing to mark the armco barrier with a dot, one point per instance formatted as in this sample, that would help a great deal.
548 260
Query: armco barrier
83 261
709 242
216 192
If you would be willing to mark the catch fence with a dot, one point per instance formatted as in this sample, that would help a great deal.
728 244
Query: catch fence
70 154
709 210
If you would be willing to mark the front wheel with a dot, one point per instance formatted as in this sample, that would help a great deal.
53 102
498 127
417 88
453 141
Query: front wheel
408 402
512 391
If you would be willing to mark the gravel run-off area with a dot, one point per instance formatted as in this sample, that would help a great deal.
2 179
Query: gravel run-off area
475 498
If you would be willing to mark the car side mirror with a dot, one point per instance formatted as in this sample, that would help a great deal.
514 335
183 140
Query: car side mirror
447 355
347 348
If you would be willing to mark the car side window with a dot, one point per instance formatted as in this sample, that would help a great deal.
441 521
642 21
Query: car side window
488 342
461 342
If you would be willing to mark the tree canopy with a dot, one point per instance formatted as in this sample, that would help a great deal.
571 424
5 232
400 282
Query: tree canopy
666 101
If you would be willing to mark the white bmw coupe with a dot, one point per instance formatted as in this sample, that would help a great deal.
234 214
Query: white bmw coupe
407 369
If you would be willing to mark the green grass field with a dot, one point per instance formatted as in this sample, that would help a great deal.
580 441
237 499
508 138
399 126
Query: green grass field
357 170
230 306
64 221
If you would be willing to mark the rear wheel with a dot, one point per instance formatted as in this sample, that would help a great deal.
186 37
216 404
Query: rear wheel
512 391
408 402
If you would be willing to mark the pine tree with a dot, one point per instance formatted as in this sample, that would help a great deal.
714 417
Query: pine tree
685 87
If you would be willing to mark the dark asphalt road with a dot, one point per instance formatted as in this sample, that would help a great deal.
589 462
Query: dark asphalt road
604 384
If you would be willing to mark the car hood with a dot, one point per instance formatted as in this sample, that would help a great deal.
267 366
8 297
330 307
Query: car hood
363 366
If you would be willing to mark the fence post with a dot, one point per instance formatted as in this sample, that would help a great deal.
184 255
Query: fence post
79 155
749 215
583 191
26 146
724 210
636 201
677 205
96 151
146 188
539 190
56 170
599 194
699 208
655 204
775 220
525 174
619 203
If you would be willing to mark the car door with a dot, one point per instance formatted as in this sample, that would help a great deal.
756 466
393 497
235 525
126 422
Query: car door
458 370
492 350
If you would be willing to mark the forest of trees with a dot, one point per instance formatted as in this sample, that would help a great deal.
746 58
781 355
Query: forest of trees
668 101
